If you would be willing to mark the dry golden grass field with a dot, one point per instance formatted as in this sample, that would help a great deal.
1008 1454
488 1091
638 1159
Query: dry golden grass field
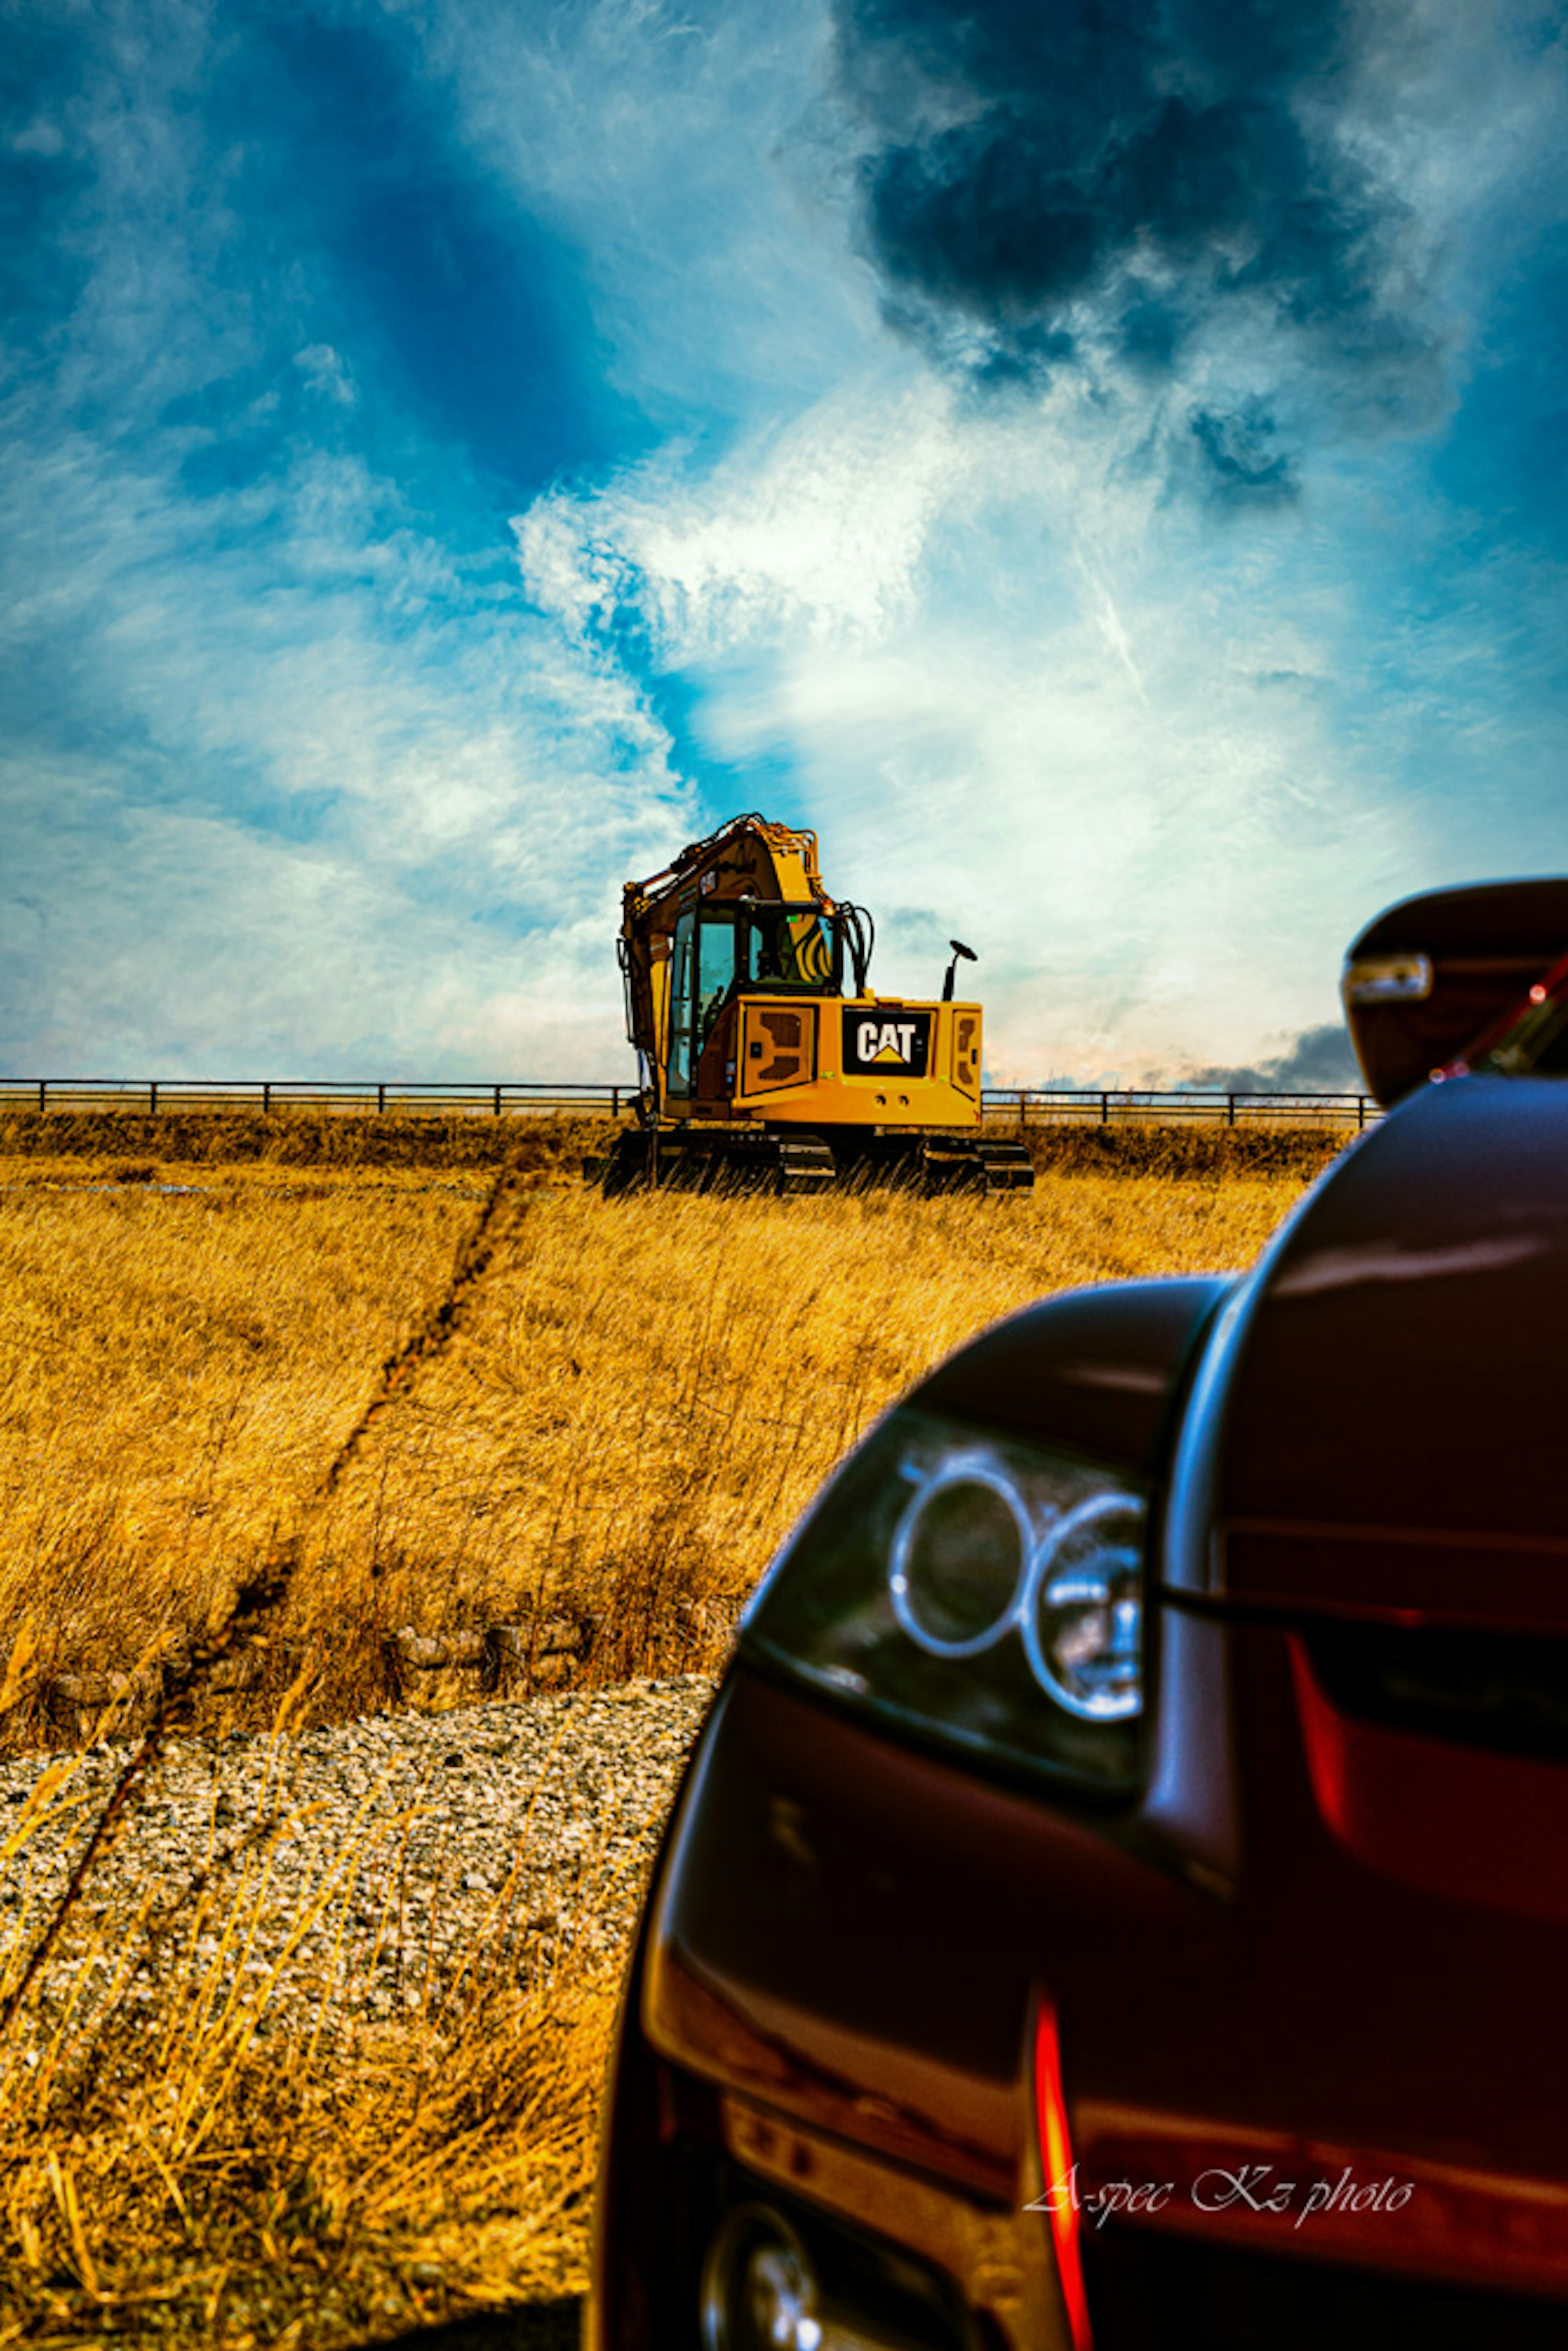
632 1404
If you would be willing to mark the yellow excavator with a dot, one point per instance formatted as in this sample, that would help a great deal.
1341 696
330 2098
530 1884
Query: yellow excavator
765 1059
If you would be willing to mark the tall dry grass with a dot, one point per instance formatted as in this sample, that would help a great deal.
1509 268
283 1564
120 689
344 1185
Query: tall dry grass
644 1396
346 1141
640 1398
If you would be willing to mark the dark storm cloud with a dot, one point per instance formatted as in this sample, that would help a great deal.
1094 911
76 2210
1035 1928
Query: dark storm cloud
1049 182
1320 1061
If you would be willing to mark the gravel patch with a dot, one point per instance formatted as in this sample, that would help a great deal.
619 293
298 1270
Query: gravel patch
355 1876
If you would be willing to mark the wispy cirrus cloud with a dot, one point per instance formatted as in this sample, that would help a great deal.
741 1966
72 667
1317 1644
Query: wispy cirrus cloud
319 794
1005 720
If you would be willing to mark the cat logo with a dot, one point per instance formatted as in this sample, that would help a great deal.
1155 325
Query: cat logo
889 1039
885 1040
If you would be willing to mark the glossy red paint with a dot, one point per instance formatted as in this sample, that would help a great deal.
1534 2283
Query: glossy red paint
1434 1254
1308 2199
1488 1829
1321 2013
1484 949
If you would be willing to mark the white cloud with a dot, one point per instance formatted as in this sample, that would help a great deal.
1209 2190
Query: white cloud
819 529
322 794
39 137
289 777
680 149
1031 705
326 372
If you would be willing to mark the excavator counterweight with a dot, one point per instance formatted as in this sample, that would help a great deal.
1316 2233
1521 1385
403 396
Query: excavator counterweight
765 1057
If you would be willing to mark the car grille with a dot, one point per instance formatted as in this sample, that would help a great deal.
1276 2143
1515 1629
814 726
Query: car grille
1505 1691
1148 2292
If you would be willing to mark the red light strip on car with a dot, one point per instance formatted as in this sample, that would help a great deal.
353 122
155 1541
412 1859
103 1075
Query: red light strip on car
1061 2199
1546 989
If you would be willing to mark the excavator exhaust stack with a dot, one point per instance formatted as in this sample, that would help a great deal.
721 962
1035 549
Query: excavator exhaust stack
768 1063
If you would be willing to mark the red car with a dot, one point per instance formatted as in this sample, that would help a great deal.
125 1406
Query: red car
1121 1895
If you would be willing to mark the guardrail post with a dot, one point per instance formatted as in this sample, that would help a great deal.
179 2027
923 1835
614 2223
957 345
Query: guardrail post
153 1097
1230 1110
1360 1114
498 1102
266 1095
381 1097
614 1101
1104 1109
43 1091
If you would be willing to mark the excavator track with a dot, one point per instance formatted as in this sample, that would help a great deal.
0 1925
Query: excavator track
790 1166
805 1167
798 1166
1007 1166
624 1167
974 1163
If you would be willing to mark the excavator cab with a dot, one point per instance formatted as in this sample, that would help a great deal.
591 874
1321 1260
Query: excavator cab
766 1057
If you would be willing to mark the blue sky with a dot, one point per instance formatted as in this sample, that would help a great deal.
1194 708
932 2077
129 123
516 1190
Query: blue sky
1109 472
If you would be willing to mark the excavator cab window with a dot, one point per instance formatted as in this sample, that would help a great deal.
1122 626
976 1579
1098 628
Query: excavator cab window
680 1062
791 951
765 947
701 975
715 973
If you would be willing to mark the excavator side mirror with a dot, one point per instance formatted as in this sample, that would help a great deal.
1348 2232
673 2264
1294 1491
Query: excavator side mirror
960 951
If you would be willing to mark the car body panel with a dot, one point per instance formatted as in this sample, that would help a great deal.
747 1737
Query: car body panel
1318 1949
812 1839
1097 1371
1441 1247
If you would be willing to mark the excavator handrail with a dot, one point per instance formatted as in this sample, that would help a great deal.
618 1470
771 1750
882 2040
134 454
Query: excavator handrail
745 903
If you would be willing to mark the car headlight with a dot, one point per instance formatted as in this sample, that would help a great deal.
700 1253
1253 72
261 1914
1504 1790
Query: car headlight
981 1590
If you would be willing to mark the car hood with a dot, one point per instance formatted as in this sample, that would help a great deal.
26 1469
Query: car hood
1380 1429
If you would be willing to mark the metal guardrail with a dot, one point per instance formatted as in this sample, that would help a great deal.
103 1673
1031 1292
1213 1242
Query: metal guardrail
156 1095
1021 1107
1005 1106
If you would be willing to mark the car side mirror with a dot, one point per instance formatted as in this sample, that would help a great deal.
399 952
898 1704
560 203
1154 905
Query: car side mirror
1425 980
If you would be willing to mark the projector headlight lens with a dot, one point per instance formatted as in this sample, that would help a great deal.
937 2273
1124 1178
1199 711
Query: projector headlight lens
961 1552
983 1590
1084 1633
